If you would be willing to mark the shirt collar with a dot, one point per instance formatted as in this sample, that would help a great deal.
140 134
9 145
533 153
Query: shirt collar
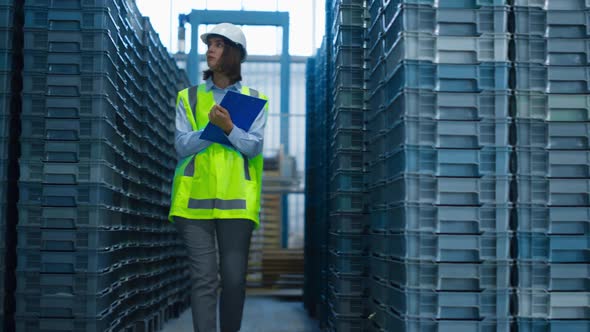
210 86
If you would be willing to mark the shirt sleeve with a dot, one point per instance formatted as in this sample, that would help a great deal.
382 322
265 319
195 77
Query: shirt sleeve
250 143
186 141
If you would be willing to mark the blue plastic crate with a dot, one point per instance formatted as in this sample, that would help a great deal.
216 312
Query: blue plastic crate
442 77
346 304
346 202
552 51
554 277
552 325
443 49
347 160
6 16
541 247
343 243
554 4
553 305
348 36
6 35
449 134
441 219
347 182
457 4
552 79
440 105
450 276
553 135
71 85
347 223
443 21
553 163
456 248
345 323
441 162
432 304
349 139
31 322
347 263
395 322
67 107
352 284
99 18
552 107
348 118
72 63
553 220
426 189
87 238
552 23
349 56
553 192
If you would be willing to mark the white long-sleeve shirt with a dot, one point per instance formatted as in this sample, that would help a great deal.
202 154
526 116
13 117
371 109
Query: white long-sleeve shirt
188 142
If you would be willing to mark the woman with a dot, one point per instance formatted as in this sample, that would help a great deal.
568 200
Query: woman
216 187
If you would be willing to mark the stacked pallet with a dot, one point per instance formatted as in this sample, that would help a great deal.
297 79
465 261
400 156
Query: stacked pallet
95 250
552 53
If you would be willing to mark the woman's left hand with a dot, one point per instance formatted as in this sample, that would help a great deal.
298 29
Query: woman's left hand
220 117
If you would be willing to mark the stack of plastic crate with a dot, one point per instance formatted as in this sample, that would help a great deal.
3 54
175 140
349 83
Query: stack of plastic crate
346 218
7 156
95 251
552 54
438 165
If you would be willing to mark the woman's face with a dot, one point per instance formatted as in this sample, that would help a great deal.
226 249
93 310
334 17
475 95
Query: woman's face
215 48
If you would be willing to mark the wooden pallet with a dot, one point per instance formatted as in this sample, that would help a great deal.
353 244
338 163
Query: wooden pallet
282 268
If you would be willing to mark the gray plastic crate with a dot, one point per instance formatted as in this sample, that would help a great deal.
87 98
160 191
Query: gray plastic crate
70 41
348 77
442 219
548 325
346 202
552 23
351 284
553 220
450 276
553 305
444 49
6 16
456 248
72 63
553 163
348 16
439 134
440 162
555 4
346 304
349 56
441 77
554 277
70 85
552 135
70 20
441 105
73 173
553 192
542 247
428 303
552 79
552 107
67 107
444 21
552 51
441 190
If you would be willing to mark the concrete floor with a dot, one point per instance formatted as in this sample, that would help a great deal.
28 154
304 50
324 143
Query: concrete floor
263 312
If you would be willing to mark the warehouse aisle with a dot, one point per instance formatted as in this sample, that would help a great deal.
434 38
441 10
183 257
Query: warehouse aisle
262 313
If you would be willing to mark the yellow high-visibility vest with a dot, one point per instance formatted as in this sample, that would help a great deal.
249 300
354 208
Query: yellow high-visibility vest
218 182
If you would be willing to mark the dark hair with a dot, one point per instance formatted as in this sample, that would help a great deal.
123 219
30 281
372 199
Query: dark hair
231 62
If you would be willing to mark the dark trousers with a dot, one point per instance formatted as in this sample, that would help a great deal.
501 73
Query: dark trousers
233 243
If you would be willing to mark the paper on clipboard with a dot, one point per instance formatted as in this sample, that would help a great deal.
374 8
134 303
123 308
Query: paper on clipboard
243 110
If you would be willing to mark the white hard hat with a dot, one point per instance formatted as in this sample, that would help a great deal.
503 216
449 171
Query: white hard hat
230 32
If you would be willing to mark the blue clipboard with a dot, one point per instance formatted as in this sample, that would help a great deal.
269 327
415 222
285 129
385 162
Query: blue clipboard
243 110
